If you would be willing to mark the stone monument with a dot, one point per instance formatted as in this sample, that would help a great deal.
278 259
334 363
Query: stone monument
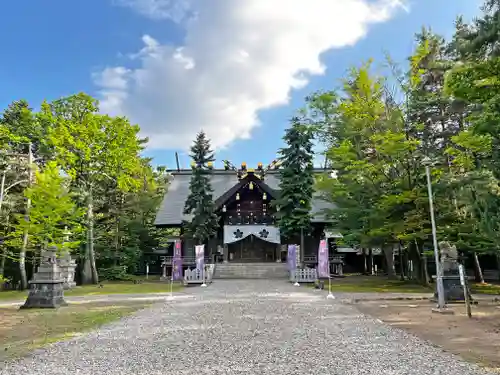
164 269
453 289
46 287
67 266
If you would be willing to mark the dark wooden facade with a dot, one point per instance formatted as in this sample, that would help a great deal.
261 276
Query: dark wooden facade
248 201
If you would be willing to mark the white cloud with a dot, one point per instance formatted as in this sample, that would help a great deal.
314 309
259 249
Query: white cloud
158 9
238 57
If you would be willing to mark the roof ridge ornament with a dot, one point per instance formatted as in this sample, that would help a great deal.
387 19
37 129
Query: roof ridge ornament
260 172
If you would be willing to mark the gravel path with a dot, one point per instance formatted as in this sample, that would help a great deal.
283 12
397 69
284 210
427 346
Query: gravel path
244 327
103 298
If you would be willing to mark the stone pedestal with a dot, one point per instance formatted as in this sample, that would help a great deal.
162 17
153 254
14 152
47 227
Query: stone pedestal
67 266
163 276
46 288
453 290
338 269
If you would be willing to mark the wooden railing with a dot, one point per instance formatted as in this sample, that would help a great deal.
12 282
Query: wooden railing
308 259
185 260
311 259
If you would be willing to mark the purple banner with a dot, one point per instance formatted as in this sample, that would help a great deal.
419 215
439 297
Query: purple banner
292 257
177 261
323 264
200 256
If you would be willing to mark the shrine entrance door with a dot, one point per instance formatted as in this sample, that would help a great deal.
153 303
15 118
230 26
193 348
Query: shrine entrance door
252 249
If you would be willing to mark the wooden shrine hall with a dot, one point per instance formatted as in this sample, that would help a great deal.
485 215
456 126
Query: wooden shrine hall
247 230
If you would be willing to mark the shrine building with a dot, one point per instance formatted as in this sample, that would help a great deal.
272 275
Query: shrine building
248 231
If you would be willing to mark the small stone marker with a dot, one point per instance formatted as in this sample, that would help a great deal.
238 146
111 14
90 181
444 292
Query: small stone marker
47 290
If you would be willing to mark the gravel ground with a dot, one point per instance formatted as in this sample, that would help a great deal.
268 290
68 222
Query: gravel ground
107 298
244 327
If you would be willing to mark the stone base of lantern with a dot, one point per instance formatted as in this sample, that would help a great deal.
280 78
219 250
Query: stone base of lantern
45 294
47 286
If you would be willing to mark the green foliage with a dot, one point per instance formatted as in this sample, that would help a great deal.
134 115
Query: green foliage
449 114
91 147
296 180
112 191
115 273
53 212
204 221
445 107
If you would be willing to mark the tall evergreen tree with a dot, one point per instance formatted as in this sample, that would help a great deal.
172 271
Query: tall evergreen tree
296 182
199 203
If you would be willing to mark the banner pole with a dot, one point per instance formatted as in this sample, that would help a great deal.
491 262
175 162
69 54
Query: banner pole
330 295
204 277
171 295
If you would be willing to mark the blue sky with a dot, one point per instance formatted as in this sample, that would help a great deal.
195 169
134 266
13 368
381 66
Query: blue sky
53 49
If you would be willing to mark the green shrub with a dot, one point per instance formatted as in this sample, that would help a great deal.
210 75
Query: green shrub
3 282
115 273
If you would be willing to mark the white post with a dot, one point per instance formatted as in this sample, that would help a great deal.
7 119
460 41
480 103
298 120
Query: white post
463 278
439 274
330 295
297 272
203 276
171 296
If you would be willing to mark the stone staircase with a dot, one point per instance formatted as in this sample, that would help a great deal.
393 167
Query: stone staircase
251 271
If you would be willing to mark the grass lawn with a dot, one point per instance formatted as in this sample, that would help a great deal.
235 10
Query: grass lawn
122 287
380 284
492 289
374 284
22 331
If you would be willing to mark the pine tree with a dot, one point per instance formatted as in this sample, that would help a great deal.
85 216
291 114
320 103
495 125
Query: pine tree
296 182
199 204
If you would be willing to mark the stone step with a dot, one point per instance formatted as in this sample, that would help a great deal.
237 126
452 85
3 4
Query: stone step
251 271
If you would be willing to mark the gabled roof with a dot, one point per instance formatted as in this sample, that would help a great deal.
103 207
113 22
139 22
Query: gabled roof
250 177
172 206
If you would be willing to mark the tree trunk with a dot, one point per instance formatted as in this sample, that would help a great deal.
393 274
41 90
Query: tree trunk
89 271
24 246
93 268
117 239
86 268
2 262
22 254
478 270
370 262
425 272
365 262
498 263
401 263
302 249
389 260
3 259
33 264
